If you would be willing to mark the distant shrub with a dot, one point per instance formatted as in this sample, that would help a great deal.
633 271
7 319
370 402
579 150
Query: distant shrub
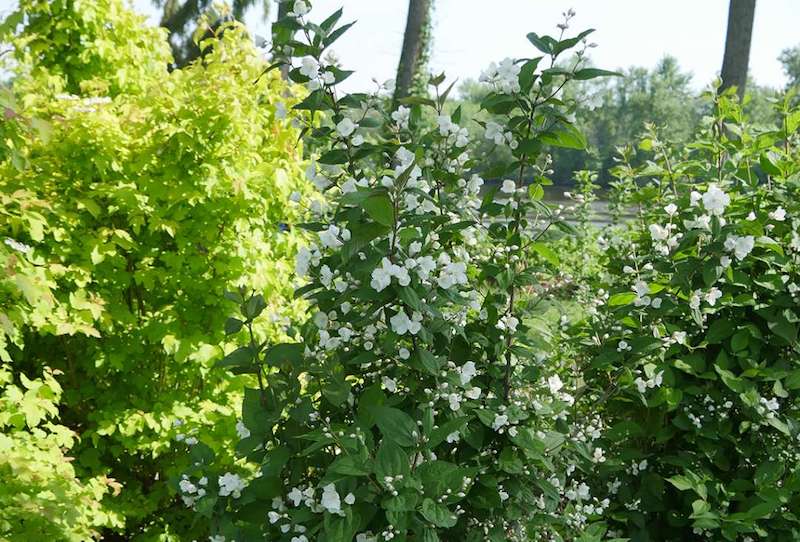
691 353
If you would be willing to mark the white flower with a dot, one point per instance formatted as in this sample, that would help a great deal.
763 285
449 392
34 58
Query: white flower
474 184
703 222
382 276
445 124
296 496
302 261
555 384
330 237
503 495
389 384
309 67
404 353
350 498
467 372
494 131
300 8
473 393
694 300
713 295
778 214
641 384
658 233
499 421
187 486
301 538
451 274
348 186
402 324
345 127
671 209
741 246
509 186
357 140
216 538
508 322
695 197
241 430
598 456
231 484
330 499
401 117
453 437
715 200
425 266
503 77
273 516
16 245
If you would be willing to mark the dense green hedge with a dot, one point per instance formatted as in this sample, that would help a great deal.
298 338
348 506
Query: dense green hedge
143 195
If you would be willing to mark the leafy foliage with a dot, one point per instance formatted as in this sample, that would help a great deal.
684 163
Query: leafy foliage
145 193
411 407
691 356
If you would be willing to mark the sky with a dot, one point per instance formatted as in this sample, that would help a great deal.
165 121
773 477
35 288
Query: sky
469 34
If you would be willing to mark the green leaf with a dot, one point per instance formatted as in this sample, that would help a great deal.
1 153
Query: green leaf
546 252
535 192
379 207
341 529
391 460
285 352
242 357
233 325
568 138
396 425
781 327
591 73
349 465
545 44
254 307
438 514
719 330
623 298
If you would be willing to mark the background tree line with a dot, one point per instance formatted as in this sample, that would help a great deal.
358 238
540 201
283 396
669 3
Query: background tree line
610 111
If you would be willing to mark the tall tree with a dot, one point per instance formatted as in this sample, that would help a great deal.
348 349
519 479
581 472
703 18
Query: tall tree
737 45
416 42
179 16
790 58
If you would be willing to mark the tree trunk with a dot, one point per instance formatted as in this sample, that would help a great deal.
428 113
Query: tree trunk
737 45
283 10
414 46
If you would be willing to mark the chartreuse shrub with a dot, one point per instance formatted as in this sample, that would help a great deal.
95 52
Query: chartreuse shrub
146 194
410 406
40 495
691 356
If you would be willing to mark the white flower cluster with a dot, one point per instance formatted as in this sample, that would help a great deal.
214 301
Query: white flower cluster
191 492
231 484
316 72
448 128
401 117
503 77
495 132
643 384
